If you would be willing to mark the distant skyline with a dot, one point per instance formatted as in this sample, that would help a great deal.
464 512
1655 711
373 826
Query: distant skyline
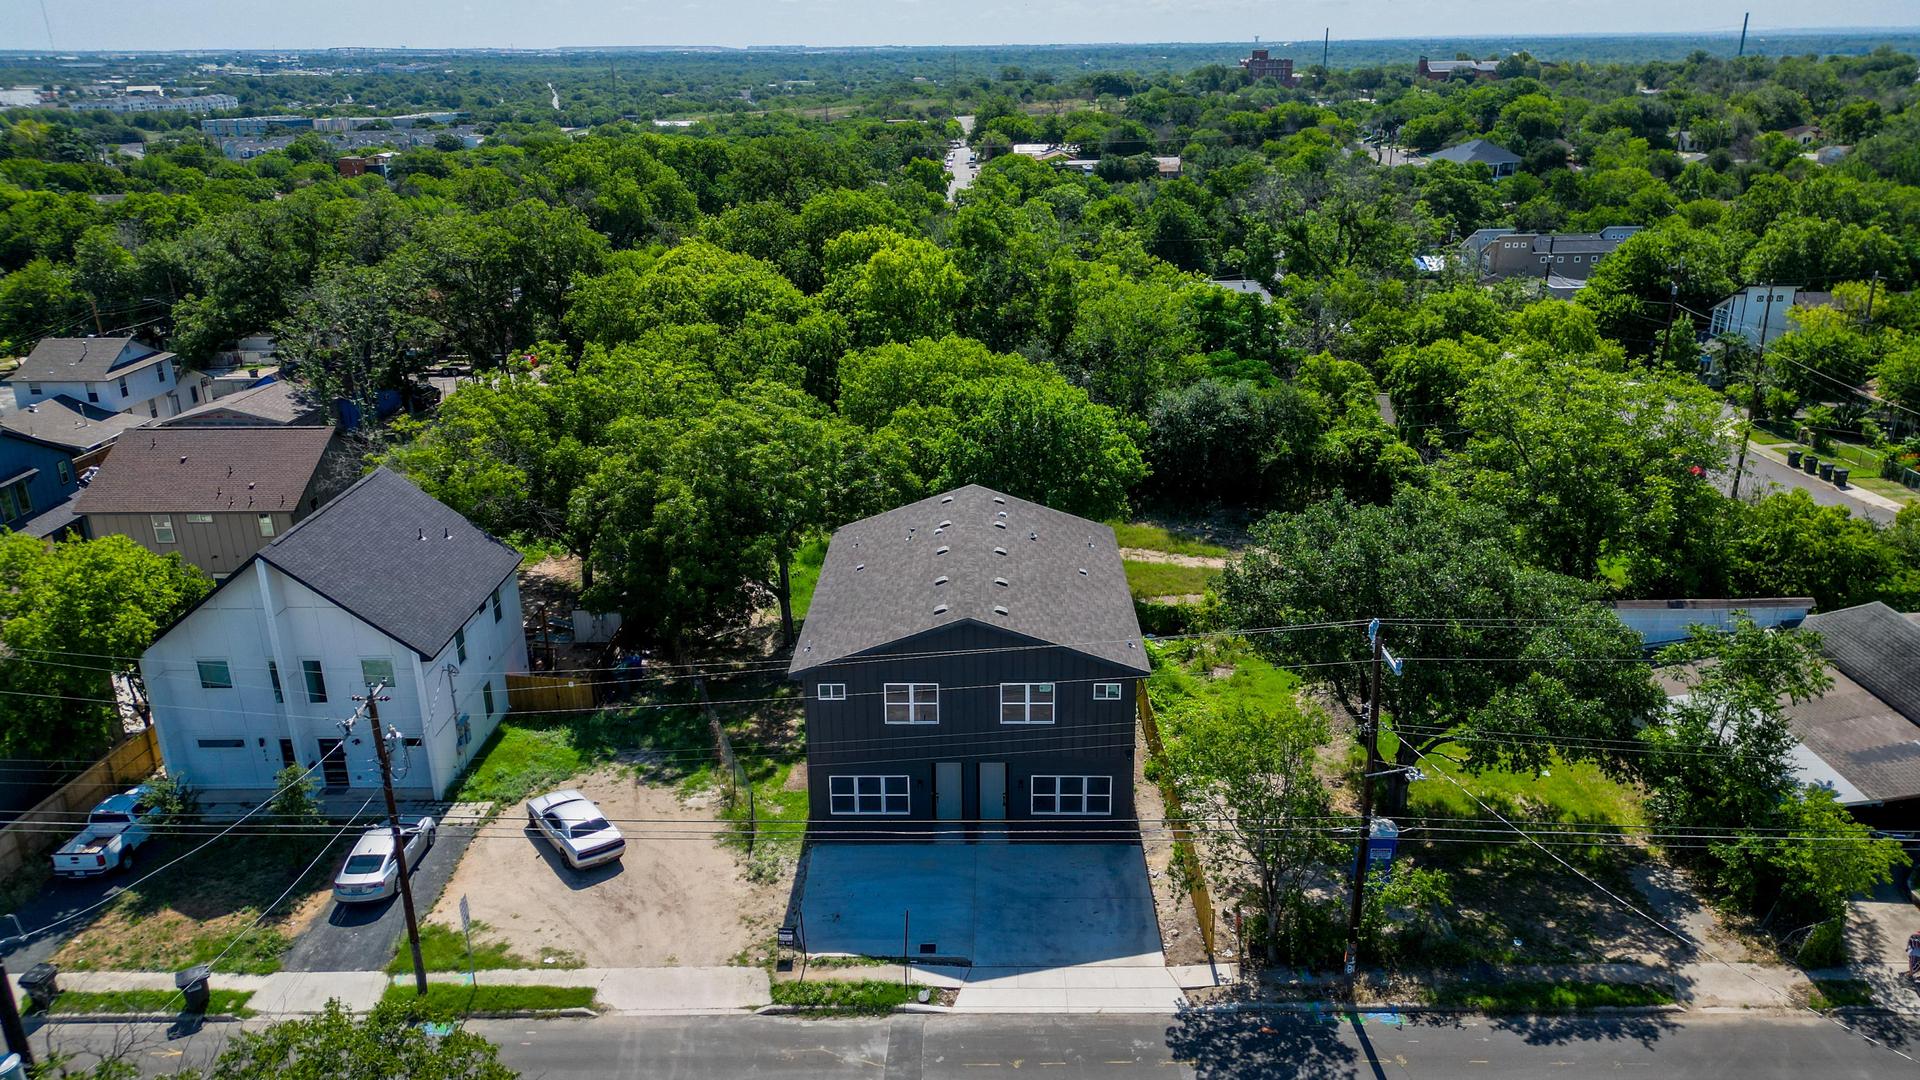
536 24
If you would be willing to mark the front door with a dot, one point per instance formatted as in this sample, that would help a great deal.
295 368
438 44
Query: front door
333 764
993 790
947 794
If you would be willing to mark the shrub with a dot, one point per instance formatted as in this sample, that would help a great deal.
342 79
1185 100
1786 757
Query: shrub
1825 947
296 804
864 997
1162 620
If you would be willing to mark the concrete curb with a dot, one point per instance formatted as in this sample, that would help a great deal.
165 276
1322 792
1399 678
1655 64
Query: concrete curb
1338 1008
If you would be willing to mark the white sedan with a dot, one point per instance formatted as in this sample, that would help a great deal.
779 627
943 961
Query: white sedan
370 872
575 827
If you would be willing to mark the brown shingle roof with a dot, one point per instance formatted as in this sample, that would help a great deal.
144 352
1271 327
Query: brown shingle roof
169 470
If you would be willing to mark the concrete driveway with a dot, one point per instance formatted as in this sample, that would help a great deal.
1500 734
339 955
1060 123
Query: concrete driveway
1001 905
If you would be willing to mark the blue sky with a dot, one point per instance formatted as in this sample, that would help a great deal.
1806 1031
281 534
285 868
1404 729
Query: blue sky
186 24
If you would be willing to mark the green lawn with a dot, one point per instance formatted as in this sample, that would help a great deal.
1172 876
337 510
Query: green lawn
1546 997
459 999
85 1002
1568 791
1216 671
1880 485
804 574
1155 538
864 997
444 948
1146 580
1840 993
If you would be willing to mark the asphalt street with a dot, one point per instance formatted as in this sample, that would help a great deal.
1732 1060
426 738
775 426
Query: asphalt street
1199 1044
1763 472
361 937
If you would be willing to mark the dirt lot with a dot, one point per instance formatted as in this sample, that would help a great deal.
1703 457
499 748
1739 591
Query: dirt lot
676 898
1179 928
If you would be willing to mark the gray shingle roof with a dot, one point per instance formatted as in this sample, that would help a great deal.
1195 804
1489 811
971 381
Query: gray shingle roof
1868 726
69 423
1045 575
83 359
1477 150
400 560
277 402
176 470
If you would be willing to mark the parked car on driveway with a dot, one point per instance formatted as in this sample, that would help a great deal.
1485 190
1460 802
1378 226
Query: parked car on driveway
370 872
115 827
575 827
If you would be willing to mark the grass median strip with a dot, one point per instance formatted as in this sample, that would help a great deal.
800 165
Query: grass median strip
1840 993
97 1002
1547 997
444 948
460 998
863 997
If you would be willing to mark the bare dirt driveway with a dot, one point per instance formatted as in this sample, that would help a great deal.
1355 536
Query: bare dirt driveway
677 897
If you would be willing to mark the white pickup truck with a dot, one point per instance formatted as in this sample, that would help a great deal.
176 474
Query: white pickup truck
115 827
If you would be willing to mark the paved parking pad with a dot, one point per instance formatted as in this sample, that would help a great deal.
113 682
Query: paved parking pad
992 904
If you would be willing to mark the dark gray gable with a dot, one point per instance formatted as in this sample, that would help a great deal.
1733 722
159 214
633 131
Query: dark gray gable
397 558
972 554
1876 647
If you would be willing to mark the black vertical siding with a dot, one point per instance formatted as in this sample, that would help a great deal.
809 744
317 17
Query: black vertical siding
969 662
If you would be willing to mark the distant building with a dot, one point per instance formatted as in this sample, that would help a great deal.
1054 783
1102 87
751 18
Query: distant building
1167 167
117 374
1244 287
142 103
1442 70
1804 134
1861 738
235 126
1761 313
1498 254
1046 152
19 97
1260 65
45 452
275 404
1664 622
1501 160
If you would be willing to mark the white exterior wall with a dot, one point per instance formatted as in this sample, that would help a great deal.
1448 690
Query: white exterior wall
148 393
262 614
1750 313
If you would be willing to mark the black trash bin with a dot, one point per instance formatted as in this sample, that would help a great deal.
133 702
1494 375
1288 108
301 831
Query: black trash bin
1840 477
1826 470
192 984
1810 464
1793 458
42 984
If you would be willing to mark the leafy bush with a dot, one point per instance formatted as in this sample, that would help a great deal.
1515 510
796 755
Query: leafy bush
1547 997
174 799
296 804
865 997
1164 620
1825 947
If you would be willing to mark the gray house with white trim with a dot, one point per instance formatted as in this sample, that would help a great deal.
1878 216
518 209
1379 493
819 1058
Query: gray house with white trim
971 658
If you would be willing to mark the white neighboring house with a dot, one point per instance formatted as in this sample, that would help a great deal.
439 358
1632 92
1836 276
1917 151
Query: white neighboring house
382 583
1761 313
117 374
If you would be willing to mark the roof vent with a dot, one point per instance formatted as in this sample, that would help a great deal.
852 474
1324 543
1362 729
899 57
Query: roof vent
250 484
943 525
423 534
1031 535
1000 514
999 499
941 580
183 459
946 498
1000 581
997 524
446 533
999 551
999 610
940 609
1083 571
857 567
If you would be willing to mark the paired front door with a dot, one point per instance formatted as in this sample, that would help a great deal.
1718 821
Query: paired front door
993 790
333 764
948 794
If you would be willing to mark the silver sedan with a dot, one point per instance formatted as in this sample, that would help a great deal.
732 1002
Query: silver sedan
370 872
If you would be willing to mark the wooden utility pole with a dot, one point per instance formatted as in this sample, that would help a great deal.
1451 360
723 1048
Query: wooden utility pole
1744 19
1673 302
1326 45
1372 735
373 699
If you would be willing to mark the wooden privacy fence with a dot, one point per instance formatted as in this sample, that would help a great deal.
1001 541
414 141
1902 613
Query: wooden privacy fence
1183 852
56 818
549 693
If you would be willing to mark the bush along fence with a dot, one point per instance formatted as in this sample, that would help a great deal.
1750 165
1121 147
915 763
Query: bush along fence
738 783
1186 861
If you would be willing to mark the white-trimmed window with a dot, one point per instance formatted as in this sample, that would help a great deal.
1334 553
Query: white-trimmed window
199 519
1026 703
1072 796
856 796
831 691
162 528
912 703
1106 691
215 675
266 524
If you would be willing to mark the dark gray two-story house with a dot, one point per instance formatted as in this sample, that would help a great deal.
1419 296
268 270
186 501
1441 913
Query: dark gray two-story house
971 658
